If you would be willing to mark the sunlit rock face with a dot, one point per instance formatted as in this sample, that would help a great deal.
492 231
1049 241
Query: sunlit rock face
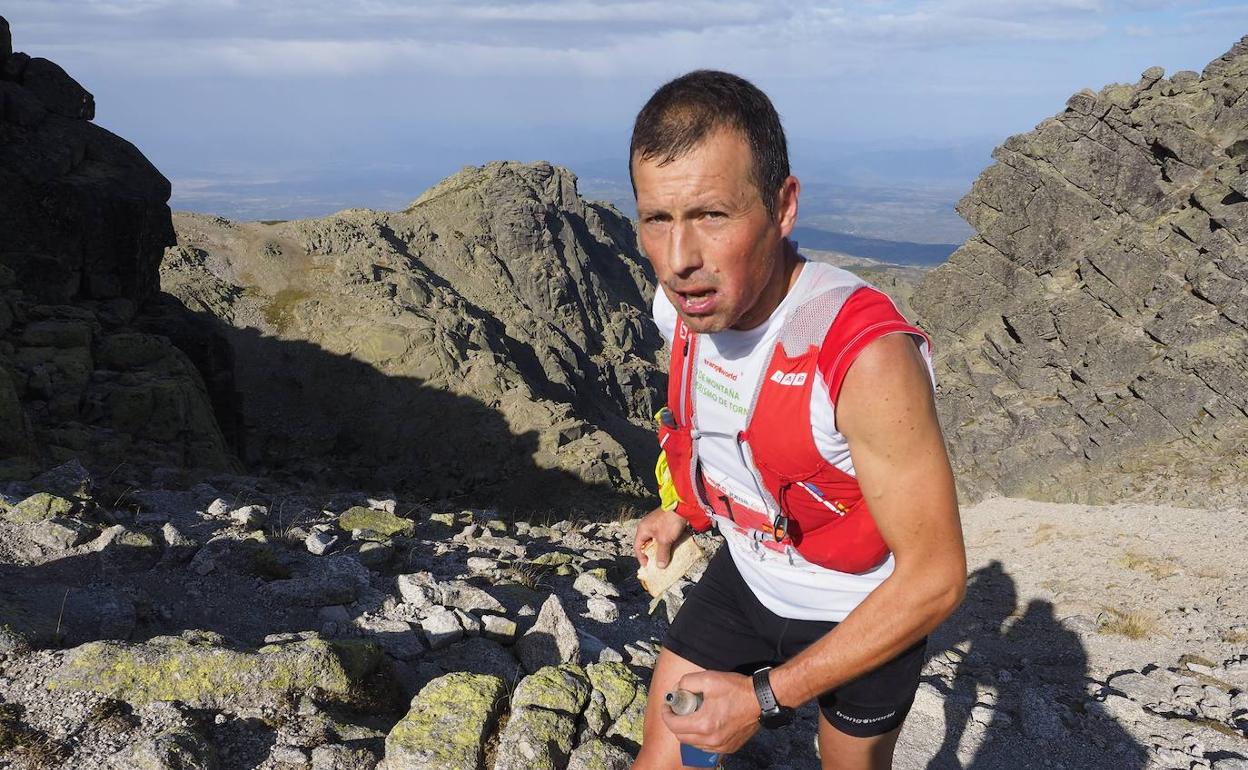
1093 334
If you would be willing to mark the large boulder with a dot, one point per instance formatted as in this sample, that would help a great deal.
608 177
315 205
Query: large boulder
1092 335
85 224
541 731
447 725
207 674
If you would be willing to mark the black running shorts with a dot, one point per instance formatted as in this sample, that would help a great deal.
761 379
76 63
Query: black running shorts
723 627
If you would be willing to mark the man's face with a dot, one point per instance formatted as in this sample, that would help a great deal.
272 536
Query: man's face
717 253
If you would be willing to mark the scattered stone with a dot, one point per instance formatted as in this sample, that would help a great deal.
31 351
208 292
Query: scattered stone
60 534
69 479
602 610
470 623
592 585
422 590
178 547
642 653
179 748
381 521
219 507
475 655
447 724
551 641
336 579
542 727
441 627
250 516
396 637
623 698
375 555
563 688
290 755
319 541
498 628
126 550
388 505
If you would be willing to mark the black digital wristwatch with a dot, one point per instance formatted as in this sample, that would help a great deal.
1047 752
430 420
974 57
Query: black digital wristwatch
773 715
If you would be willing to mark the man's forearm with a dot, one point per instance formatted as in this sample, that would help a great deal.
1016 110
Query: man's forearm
894 616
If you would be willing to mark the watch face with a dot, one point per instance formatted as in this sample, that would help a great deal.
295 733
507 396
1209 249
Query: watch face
777 717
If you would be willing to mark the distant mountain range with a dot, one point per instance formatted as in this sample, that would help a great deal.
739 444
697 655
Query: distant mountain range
896 252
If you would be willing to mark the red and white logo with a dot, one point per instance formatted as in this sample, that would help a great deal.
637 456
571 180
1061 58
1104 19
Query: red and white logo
780 378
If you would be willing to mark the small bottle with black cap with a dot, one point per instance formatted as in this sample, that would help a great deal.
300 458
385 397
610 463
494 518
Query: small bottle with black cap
683 702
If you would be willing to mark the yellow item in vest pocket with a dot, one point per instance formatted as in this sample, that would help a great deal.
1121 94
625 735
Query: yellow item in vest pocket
668 499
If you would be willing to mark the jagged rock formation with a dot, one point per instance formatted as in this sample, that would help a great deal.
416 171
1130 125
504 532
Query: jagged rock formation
84 223
1093 335
493 337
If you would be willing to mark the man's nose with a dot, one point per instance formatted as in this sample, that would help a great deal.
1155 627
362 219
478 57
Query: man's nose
685 253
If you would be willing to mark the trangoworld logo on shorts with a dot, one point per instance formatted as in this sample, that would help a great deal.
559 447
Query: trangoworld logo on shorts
780 378
864 720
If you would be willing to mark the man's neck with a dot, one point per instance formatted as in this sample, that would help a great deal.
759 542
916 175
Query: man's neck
778 288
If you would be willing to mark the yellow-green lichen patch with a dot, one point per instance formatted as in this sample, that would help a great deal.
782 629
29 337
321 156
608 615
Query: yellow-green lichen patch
618 685
280 311
562 688
383 522
38 507
202 675
448 723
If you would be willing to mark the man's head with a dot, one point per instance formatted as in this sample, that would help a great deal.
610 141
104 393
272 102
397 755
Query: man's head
710 170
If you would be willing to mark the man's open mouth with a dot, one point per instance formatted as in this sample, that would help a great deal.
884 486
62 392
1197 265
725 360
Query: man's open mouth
698 301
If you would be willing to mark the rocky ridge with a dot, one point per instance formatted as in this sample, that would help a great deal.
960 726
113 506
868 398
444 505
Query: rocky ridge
1092 336
494 330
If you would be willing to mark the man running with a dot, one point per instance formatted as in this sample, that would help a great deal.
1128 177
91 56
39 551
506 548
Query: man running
801 424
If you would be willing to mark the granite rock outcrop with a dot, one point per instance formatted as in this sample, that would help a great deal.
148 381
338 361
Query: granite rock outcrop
83 227
1092 336
492 338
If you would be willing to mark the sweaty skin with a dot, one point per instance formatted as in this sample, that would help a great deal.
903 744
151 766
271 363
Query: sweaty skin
723 262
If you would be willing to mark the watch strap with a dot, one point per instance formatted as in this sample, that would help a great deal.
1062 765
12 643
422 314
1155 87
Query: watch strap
762 690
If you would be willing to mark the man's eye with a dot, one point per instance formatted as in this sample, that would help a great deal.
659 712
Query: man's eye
714 214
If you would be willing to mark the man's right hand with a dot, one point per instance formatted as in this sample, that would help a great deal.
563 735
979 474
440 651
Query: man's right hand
664 528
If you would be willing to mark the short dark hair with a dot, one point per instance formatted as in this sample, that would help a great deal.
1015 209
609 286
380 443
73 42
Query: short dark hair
686 110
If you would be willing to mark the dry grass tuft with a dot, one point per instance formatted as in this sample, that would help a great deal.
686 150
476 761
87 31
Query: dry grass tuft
19 739
1211 573
1128 623
1043 534
1235 635
528 575
1159 568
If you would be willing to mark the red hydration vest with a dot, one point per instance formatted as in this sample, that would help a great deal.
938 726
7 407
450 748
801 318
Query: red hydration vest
812 506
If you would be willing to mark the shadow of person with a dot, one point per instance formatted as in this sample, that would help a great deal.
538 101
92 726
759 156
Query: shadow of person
1024 685
990 601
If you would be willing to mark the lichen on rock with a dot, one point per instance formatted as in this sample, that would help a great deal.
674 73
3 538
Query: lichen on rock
447 724
207 675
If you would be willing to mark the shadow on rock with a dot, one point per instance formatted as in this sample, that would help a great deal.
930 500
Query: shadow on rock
313 416
1019 688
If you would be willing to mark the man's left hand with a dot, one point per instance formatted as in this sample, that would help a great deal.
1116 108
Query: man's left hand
727 718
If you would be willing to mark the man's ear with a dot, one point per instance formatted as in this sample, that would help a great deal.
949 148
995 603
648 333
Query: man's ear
786 204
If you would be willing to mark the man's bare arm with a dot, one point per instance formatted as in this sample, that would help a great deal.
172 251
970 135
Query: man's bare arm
888 416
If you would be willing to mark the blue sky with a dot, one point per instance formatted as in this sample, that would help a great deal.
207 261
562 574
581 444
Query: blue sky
300 107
